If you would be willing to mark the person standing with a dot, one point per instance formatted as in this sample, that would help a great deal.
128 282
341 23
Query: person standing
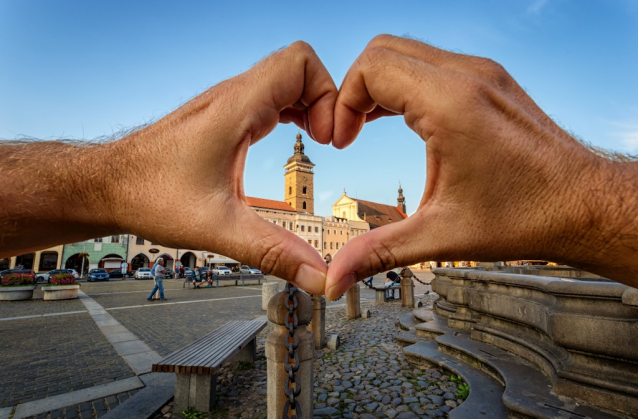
124 269
158 272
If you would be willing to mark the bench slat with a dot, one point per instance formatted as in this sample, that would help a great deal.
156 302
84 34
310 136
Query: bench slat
184 352
220 345
194 355
220 353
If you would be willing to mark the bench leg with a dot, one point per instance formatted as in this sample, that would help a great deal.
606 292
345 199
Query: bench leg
248 353
194 390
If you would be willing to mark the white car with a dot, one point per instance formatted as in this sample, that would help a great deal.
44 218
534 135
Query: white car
74 273
222 270
249 270
143 273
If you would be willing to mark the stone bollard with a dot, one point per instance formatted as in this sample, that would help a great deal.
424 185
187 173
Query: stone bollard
407 288
318 324
353 301
276 354
333 342
365 313
268 290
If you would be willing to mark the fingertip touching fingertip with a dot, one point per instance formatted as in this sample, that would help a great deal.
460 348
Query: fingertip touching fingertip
310 279
340 287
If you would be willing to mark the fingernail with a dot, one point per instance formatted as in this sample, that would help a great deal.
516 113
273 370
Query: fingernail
338 289
310 279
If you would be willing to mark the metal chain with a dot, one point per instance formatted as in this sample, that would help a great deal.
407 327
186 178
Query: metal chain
372 287
418 280
292 343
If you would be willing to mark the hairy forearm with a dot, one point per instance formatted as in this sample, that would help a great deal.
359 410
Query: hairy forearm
607 240
55 192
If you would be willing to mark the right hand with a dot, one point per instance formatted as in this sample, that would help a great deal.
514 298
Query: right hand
504 182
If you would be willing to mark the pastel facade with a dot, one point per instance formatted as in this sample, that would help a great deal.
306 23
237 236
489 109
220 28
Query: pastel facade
40 261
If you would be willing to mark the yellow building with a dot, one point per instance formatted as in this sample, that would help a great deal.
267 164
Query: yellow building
40 261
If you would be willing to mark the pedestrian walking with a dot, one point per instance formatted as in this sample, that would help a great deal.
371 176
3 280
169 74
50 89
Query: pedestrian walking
158 271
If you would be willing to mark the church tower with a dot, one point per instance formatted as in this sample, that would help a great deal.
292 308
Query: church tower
300 180
401 200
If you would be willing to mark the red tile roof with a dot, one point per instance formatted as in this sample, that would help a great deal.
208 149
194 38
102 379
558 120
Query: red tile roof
378 215
269 204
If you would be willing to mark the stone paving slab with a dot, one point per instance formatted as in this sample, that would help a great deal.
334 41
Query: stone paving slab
33 307
54 355
36 407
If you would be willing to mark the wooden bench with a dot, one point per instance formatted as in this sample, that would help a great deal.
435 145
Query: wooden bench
382 296
237 278
196 364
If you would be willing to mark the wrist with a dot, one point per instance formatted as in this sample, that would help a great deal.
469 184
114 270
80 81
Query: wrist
605 228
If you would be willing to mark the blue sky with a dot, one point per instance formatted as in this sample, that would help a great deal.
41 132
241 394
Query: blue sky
78 69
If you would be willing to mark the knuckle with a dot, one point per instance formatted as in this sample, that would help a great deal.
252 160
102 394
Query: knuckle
381 40
493 72
381 257
301 48
270 258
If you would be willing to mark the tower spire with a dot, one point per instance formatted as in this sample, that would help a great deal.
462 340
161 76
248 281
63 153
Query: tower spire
401 200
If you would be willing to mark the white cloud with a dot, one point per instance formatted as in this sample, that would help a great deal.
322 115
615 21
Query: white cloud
536 6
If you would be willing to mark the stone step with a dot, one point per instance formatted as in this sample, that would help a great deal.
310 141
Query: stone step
527 391
423 314
407 321
407 338
433 328
485 400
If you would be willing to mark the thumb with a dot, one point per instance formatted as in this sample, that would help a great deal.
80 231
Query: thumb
379 250
277 251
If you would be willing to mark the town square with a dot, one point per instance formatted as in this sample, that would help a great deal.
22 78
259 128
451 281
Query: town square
324 210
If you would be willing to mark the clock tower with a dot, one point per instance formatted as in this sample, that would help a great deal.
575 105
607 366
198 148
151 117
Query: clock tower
300 180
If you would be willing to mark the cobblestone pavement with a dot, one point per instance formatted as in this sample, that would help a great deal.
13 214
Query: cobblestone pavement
36 307
89 410
348 381
46 356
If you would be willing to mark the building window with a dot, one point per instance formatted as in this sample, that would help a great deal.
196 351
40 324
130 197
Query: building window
316 229
337 244
303 228
335 232
341 232
316 244
325 245
342 244
310 242
330 245
291 226
289 190
283 224
344 214
139 240
304 205
97 240
274 222
304 190
115 239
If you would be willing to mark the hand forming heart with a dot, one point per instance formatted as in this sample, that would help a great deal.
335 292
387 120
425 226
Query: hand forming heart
503 180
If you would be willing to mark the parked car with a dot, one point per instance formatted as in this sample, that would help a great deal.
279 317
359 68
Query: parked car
249 270
117 273
98 275
222 270
169 273
188 272
73 272
143 273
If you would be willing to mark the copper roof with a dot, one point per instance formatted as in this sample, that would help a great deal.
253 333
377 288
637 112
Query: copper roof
378 215
269 204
